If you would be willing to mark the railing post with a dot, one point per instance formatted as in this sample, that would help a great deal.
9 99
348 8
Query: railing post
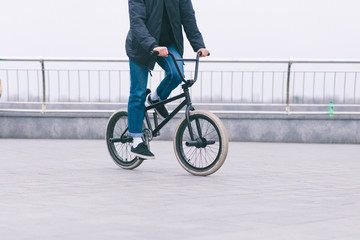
288 88
43 106
0 89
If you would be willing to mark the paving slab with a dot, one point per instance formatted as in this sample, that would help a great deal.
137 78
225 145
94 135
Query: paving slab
71 189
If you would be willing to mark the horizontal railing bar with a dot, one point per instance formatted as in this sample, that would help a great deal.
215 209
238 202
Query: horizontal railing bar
26 59
56 111
325 61
182 112
203 71
69 69
195 104
285 113
276 104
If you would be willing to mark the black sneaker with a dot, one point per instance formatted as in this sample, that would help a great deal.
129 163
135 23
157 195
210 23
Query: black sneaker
162 111
142 151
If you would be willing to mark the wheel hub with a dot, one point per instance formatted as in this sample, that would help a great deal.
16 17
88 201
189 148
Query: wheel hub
200 142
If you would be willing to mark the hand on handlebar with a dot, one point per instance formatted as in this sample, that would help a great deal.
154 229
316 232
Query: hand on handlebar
204 52
163 51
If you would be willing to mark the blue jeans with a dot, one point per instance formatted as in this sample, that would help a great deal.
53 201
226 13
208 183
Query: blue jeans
138 84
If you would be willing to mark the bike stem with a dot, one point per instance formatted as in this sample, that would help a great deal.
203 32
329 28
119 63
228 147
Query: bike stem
196 60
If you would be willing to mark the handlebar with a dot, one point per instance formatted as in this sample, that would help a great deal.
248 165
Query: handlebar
154 54
198 55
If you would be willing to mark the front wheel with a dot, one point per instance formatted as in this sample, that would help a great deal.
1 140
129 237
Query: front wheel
207 152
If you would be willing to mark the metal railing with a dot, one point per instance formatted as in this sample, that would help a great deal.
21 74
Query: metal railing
225 86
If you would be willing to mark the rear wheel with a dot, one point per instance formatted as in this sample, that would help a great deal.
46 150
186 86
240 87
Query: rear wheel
207 153
118 141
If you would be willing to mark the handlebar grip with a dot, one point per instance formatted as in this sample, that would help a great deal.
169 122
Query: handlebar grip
200 54
154 53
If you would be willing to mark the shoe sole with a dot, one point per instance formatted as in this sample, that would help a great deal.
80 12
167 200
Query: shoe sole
148 103
144 157
159 115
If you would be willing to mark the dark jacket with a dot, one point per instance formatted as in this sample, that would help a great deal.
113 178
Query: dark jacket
145 28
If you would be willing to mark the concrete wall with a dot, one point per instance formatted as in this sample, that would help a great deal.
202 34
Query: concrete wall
259 128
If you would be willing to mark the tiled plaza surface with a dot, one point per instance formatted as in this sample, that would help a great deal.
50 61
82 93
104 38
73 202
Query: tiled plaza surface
71 189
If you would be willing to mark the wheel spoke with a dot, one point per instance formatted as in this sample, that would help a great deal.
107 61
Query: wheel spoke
190 149
193 153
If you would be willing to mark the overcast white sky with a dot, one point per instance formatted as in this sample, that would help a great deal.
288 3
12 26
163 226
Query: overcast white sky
231 28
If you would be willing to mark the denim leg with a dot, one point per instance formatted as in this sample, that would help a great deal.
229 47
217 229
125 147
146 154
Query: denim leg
136 104
172 79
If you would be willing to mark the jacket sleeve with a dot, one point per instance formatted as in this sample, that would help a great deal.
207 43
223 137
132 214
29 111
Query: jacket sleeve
190 26
137 13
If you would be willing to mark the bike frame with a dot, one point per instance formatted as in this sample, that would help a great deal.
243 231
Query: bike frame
186 102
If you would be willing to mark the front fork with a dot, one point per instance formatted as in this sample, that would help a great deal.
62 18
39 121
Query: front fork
187 115
189 108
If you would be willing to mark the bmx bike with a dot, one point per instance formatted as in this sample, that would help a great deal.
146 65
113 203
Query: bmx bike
200 139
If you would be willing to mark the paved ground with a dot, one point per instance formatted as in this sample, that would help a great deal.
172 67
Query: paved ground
71 189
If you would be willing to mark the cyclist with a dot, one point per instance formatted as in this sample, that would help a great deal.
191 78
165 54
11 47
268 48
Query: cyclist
156 25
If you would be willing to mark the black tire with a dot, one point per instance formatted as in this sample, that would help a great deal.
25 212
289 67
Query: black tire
206 160
120 152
